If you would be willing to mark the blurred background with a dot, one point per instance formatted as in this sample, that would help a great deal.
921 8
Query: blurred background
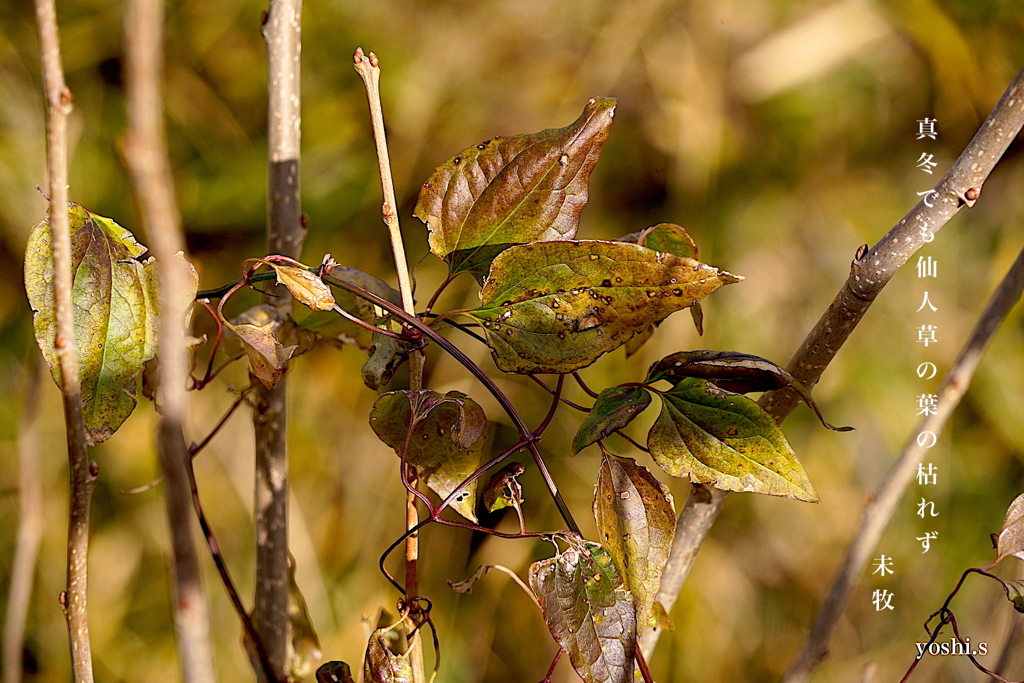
782 135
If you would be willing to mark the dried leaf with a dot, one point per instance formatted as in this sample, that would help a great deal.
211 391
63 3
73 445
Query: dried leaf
334 672
338 329
115 313
304 285
513 190
257 329
387 354
1011 538
556 307
717 437
614 408
736 372
589 614
382 665
636 520
445 435
503 490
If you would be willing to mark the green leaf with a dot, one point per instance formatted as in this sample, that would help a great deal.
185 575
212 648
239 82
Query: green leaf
736 372
1015 593
556 307
445 436
513 190
614 408
717 437
589 614
115 313
334 672
503 489
382 665
636 519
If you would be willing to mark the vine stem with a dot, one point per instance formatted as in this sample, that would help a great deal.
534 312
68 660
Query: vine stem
368 68
82 472
870 271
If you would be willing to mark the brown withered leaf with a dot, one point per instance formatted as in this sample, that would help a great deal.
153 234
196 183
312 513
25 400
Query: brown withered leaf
588 612
512 190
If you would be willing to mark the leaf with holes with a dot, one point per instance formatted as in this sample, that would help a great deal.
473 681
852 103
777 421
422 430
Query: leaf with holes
513 190
558 306
590 615
443 436
1011 538
114 295
636 520
614 408
382 665
717 437
736 372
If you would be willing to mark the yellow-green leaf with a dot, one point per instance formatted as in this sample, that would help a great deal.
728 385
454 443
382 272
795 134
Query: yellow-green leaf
115 313
556 307
636 520
614 408
717 437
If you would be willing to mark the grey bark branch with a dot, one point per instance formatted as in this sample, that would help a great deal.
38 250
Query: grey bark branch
82 473
146 158
285 234
879 511
961 186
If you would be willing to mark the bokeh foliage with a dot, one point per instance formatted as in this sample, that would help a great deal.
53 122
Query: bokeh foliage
781 135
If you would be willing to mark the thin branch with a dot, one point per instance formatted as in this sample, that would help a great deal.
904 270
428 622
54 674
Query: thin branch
961 186
82 472
369 71
30 529
879 511
285 233
146 158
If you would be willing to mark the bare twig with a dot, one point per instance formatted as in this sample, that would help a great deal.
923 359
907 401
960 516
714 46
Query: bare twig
30 529
282 31
146 158
961 186
368 69
82 472
879 511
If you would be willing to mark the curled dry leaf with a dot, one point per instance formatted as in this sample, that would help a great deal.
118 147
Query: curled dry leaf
115 312
382 665
717 437
636 519
334 672
503 489
588 612
739 373
257 331
1011 537
512 190
558 306
304 285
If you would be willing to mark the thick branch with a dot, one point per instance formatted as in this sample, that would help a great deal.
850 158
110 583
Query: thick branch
961 186
879 511
82 472
146 158
285 234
